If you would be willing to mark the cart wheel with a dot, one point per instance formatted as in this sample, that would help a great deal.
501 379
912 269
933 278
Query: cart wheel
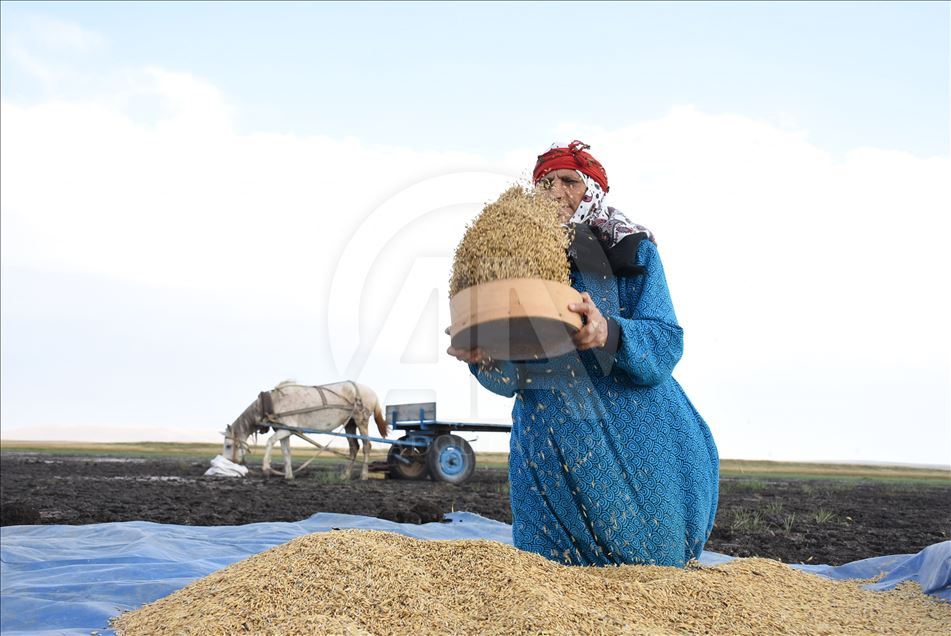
450 459
416 455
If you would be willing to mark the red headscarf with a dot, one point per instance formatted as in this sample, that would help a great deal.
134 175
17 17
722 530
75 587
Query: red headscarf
572 157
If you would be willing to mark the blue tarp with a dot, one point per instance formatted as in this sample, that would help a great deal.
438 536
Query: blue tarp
73 579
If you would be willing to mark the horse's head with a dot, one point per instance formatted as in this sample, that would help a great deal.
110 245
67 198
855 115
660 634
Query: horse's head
232 447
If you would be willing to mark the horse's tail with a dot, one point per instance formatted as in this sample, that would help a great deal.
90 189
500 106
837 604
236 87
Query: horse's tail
381 422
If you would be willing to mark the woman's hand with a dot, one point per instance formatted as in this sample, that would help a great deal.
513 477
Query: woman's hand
471 356
594 332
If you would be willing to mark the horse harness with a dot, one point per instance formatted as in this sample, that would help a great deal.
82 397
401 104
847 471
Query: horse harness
357 407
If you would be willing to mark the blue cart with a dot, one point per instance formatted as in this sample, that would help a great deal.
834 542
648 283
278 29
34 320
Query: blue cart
430 447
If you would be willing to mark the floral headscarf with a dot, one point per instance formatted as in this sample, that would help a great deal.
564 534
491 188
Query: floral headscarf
610 224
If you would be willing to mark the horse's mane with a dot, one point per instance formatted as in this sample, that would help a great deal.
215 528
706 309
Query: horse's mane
288 382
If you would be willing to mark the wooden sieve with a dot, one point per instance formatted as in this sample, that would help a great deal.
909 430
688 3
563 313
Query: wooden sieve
515 319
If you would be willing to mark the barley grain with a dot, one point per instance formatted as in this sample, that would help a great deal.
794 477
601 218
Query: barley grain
516 236
368 582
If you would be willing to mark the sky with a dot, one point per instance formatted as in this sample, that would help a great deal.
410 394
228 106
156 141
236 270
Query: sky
199 201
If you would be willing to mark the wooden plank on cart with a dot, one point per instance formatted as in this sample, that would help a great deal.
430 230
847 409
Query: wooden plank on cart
420 412
474 427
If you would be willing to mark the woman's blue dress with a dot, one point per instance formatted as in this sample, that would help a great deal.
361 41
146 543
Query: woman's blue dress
609 462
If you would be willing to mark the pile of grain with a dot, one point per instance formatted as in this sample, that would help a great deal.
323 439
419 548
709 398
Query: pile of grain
517 236
359 582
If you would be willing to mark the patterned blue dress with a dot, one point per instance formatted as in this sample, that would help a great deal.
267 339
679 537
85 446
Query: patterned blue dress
609 462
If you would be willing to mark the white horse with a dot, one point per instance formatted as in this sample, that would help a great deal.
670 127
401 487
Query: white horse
315 408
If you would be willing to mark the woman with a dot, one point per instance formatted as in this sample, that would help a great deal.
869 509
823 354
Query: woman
609 462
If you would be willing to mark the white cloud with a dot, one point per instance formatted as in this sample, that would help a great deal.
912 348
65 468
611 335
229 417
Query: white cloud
186 201
59 35
794 273
48 50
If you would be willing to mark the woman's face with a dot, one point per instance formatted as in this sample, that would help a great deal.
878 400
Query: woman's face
566 187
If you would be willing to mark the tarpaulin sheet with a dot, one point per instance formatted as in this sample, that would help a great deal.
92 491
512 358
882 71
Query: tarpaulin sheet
73 579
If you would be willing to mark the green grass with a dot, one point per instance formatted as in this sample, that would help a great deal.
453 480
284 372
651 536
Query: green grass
117 449
804 470
329 477
750 475
744 521
788 522
175 450
750 484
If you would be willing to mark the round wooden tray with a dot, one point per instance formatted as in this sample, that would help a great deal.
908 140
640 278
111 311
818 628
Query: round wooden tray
515 319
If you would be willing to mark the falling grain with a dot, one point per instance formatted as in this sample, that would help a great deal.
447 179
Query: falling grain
368 582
